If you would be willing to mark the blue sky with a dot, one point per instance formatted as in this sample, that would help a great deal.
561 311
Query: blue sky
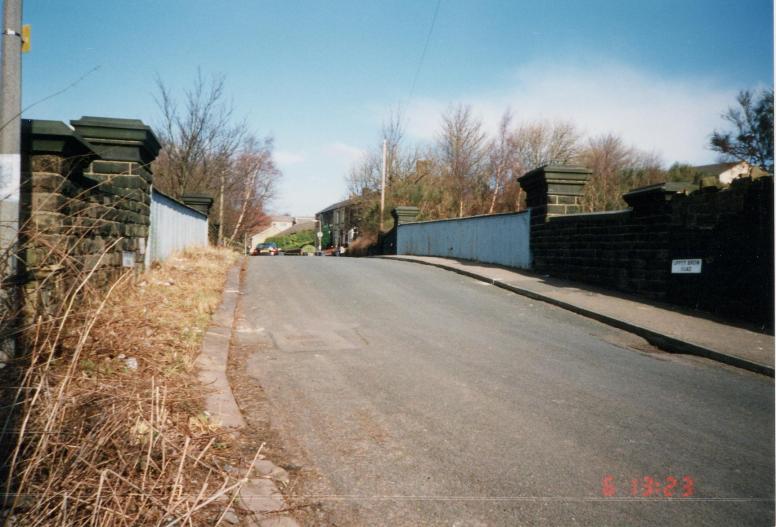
321 76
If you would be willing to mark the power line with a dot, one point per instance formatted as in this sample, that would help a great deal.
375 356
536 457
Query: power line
425 47
50 96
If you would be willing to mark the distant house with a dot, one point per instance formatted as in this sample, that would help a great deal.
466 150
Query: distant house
725 173
277 225
299 226
341 219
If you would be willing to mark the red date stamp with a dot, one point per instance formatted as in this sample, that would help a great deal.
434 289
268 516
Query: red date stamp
649 487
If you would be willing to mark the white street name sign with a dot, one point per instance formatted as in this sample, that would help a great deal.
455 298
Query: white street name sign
686 266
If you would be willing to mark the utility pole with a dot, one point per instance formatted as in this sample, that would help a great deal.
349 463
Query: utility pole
382 187
10 101
10 158
319 234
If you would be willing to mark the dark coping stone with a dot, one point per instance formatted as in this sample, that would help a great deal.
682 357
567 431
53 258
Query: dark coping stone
119 139
54 137
111 167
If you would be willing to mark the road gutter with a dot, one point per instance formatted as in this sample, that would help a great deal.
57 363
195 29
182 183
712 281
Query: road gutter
259 495
664 342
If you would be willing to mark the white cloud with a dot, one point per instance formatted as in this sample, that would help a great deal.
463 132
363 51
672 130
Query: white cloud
315 180
343 152
670 116
285 158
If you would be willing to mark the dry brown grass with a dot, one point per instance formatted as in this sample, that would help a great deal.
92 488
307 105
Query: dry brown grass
360 246
112 431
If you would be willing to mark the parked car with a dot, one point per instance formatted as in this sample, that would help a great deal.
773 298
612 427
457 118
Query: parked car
269 249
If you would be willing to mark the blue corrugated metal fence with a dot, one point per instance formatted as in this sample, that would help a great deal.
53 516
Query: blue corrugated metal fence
498 238
174 226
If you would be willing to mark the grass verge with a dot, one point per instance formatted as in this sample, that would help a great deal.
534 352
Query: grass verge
111 430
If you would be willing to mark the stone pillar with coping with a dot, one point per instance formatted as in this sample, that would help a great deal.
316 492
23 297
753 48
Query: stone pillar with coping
126 147
554 190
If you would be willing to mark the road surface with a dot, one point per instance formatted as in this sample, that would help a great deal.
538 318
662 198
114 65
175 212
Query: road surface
415 396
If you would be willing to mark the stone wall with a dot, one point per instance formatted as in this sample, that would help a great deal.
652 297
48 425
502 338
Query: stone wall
86 196
730 230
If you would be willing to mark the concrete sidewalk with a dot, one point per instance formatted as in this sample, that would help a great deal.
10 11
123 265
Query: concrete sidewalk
670 328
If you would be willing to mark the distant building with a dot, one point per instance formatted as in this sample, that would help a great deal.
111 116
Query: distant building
299 226
725 173
277 224
341 219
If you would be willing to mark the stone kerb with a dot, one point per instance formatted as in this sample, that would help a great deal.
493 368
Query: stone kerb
554 190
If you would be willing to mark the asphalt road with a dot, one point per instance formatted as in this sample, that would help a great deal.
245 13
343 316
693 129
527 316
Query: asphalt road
415 396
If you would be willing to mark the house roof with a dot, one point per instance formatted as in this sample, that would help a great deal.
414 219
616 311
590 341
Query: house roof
337 205
717 168
299 227
288 219
262 230
302 219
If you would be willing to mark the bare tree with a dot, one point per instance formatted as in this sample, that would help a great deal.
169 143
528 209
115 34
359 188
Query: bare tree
543 143
501 158
616 168
365 177
193 136
461 152
222 163
204 149
752 140
532 145
257 174
606 155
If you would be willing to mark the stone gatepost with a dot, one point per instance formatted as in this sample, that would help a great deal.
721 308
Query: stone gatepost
655 199
200 202
126 148
554 190
54 194
203 203
402 215
386 242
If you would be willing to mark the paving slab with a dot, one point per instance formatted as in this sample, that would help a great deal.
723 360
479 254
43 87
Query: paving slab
668 327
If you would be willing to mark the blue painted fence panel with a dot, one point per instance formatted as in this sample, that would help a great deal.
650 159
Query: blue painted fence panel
502 239
174 226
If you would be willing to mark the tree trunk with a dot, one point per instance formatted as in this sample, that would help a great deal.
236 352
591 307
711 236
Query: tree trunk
493 200
221 190
495 192
246 198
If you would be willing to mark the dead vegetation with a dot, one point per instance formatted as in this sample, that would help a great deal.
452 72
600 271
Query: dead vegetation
111 430
361 245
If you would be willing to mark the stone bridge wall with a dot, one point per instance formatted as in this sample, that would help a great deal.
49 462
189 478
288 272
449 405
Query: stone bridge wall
730 230
86 196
